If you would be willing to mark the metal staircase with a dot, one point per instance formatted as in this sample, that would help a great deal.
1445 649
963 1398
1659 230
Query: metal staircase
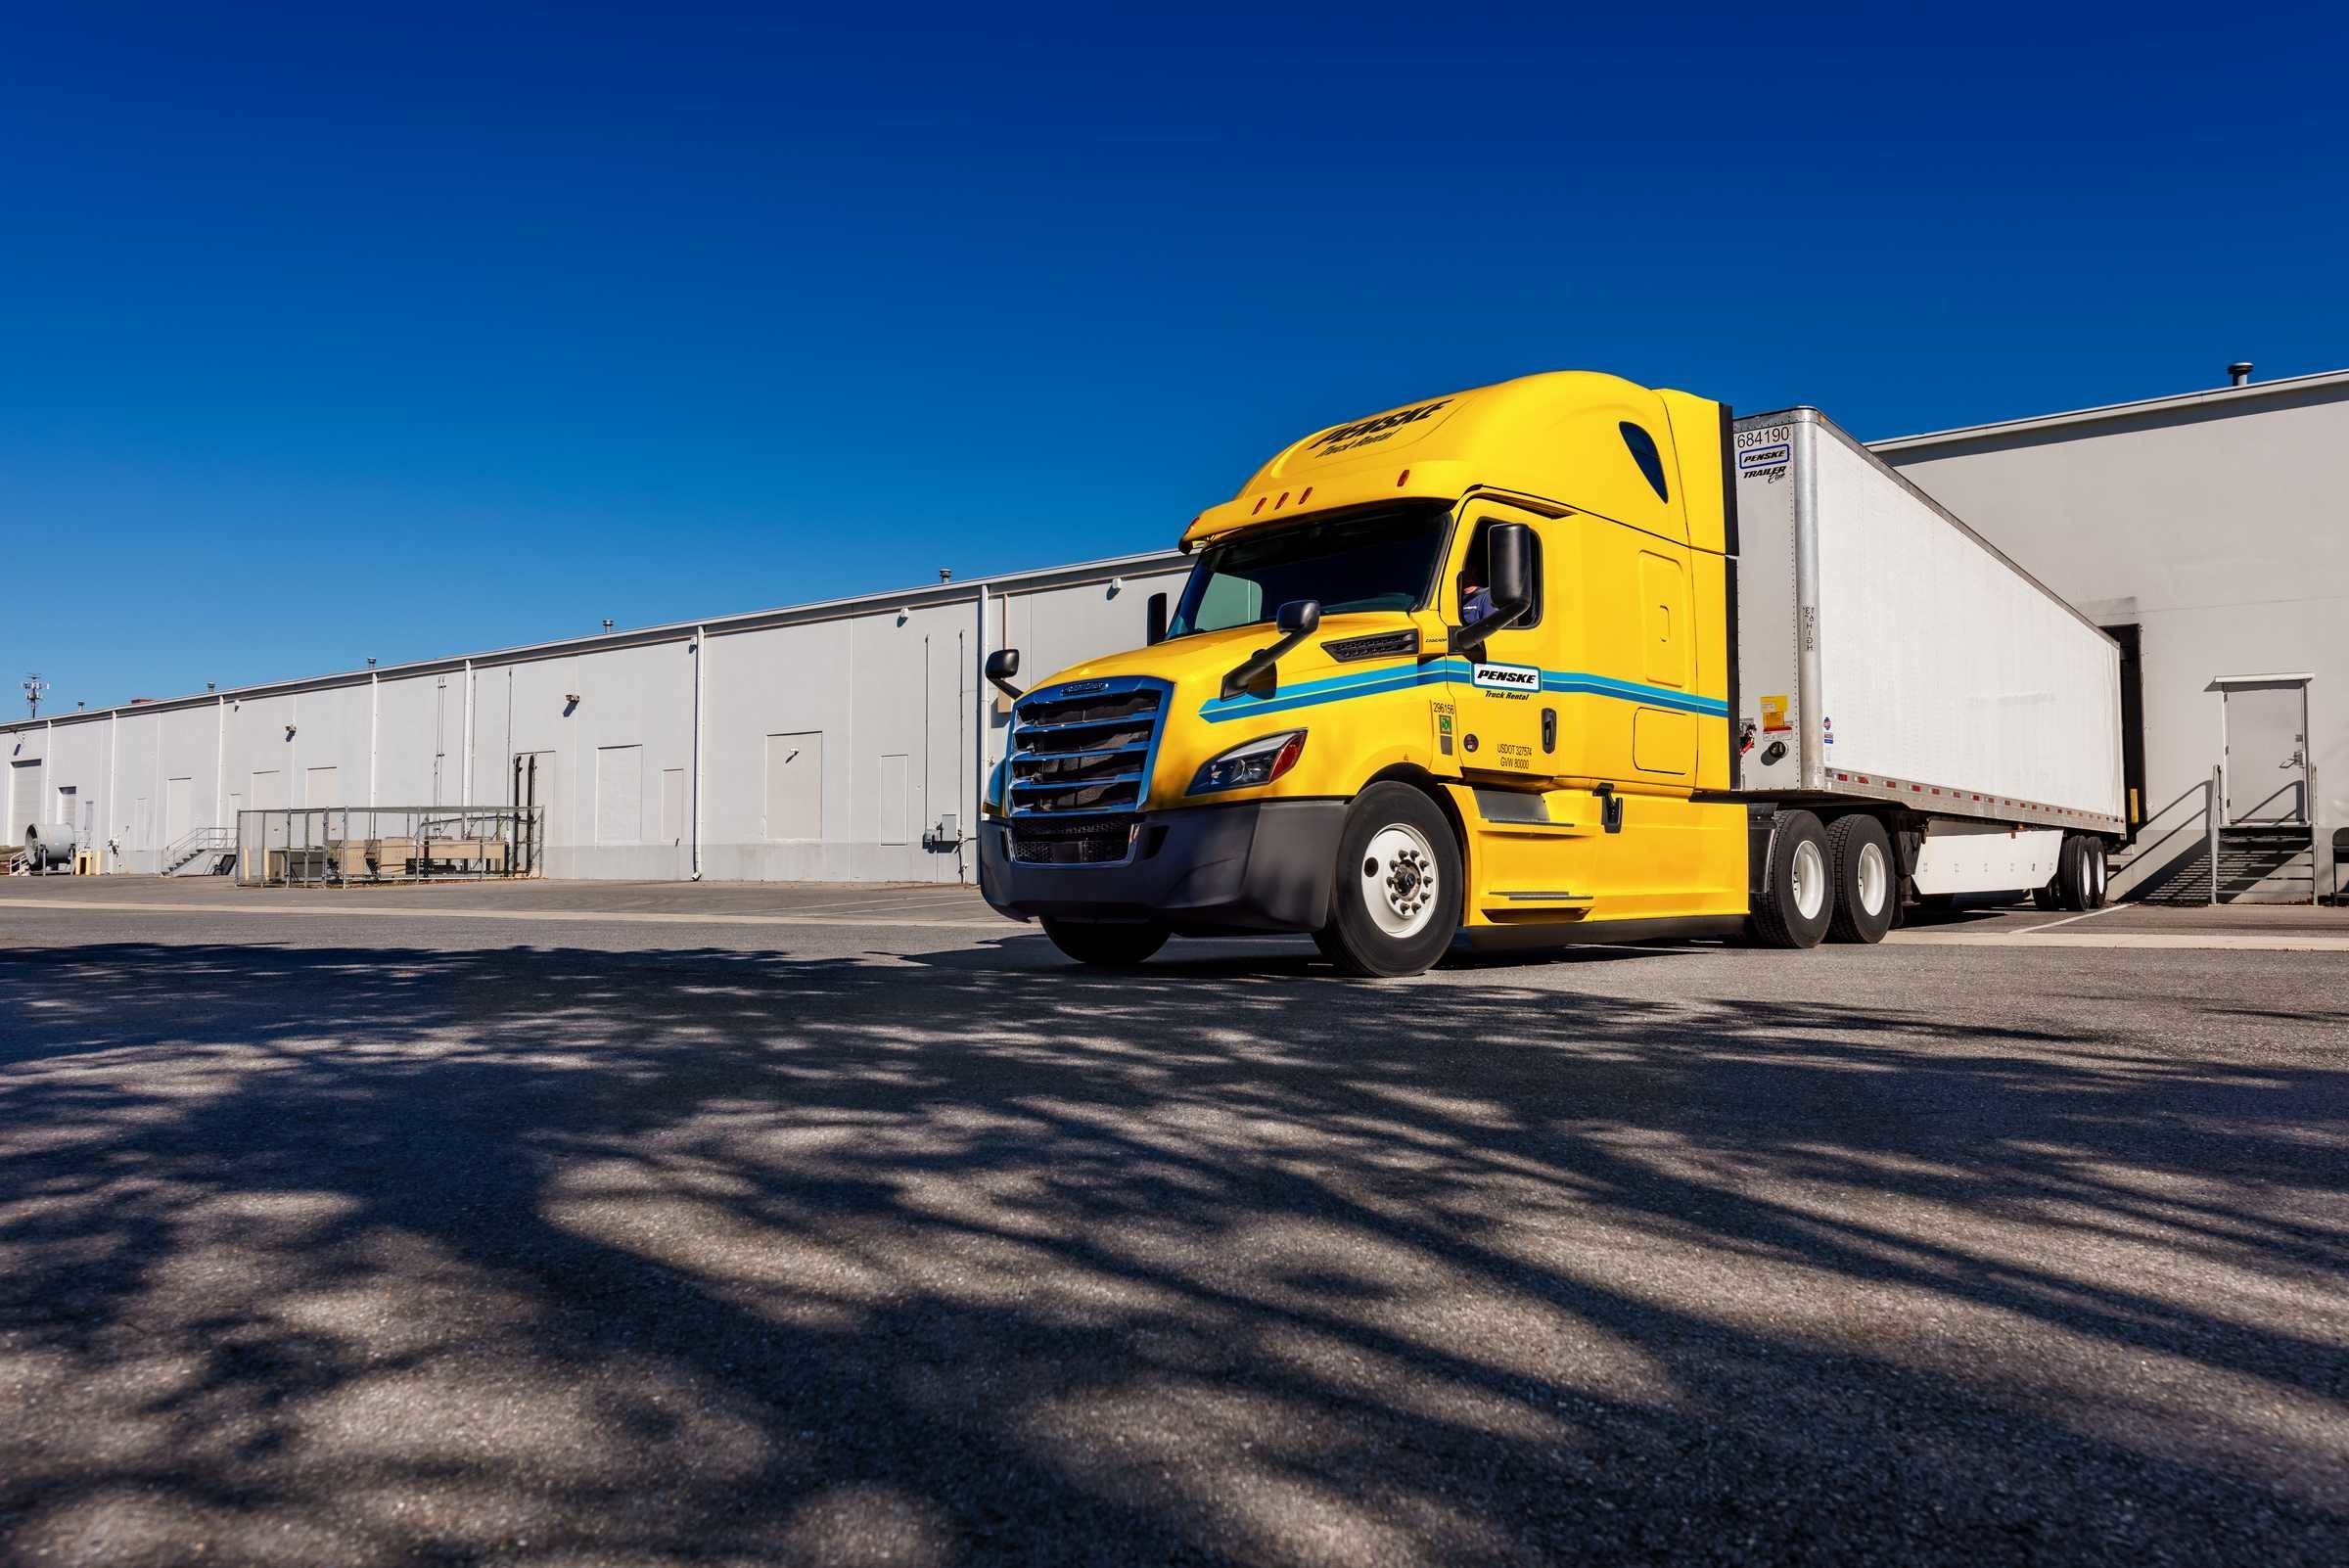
2188 853
205 852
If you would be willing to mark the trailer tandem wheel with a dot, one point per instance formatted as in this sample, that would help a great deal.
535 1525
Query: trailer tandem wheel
2080 873
1797 900
1866 893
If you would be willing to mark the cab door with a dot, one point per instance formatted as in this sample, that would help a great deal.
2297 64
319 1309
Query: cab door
1507 715
1663 731
1669 855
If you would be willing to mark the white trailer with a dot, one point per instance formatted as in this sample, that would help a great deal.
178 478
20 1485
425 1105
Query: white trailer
1887 652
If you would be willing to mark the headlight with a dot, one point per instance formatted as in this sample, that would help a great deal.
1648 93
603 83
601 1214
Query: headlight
1260 761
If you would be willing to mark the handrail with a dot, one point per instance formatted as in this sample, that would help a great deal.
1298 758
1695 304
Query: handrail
2201 786
2216 809
2250 820
195 842
2142 851
2144 847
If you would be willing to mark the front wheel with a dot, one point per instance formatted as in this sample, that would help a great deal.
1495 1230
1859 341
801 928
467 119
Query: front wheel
1104 945
1397 899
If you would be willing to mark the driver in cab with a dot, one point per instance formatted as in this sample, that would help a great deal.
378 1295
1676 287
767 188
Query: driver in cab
1476 600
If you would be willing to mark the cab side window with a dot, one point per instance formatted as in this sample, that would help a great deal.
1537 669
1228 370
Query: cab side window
1643 453
1476 573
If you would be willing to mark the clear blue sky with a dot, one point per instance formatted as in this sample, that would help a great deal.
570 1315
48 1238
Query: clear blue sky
307 319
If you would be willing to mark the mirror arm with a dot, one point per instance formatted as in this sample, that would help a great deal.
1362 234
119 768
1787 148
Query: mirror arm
1241 675
1473 635
1006 688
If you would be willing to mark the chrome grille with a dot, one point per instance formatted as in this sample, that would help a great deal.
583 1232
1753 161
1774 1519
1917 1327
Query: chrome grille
1078 767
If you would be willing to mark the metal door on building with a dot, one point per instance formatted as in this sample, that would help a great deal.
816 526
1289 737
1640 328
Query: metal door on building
179 810
2265 721
268 793
795 785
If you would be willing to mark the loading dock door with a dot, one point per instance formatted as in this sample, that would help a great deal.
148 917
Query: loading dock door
24 801
619 795
180 805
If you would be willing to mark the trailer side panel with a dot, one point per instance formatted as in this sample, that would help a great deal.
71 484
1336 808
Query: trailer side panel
1931 669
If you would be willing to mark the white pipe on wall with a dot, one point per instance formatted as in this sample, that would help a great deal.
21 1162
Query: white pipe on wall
979 684
701 666
465 785
375 710
155 808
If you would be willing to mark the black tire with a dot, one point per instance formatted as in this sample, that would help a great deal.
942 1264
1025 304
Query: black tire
1105 945
1796 838
1868 886
1413 922
2080 873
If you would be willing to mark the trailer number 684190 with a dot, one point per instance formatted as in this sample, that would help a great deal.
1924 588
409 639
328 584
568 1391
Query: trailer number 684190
1766 450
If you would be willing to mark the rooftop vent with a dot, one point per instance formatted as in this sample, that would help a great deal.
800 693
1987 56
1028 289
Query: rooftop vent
2238 374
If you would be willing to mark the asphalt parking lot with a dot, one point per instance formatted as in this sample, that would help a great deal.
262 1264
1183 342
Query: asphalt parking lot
574 1225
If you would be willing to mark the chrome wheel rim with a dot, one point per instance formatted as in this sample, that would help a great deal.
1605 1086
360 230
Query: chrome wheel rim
1876 878
1810 880
1399 884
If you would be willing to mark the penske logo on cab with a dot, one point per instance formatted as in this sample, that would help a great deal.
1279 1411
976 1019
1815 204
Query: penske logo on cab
1508 678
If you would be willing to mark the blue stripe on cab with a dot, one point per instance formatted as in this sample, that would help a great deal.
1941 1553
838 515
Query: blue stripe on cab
1448 673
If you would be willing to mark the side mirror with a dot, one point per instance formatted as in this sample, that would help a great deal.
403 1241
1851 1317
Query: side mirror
1295 620
1509 569
1155 619
1001 665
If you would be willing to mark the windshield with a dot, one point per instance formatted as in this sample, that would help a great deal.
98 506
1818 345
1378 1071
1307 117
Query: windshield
1383 560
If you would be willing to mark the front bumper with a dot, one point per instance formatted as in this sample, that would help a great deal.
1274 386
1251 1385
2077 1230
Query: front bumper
1264 865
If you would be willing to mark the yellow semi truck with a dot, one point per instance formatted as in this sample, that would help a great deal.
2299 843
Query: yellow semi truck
1564 658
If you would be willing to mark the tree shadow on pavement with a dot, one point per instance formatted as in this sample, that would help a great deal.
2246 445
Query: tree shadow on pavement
371 1255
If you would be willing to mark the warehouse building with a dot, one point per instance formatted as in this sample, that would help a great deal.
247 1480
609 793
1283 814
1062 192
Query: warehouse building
2209 534
845 741
849 740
